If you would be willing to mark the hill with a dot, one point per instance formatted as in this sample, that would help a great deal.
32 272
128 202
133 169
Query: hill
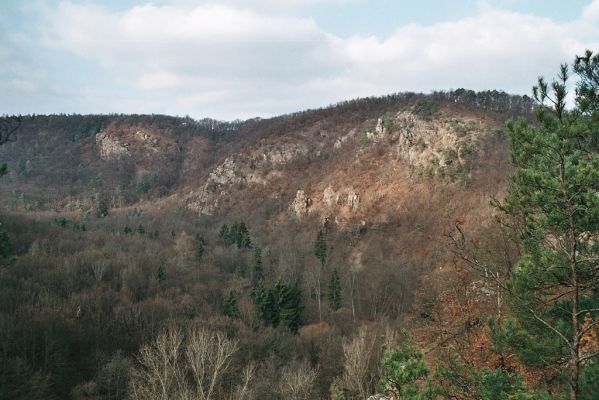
122 224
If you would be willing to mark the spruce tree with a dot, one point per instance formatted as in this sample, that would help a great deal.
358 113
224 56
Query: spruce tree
258 274
320 247
334 293
224 234
230 306
320 251
160 273
289 299
267 305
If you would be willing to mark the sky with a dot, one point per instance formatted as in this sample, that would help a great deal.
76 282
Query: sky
238 59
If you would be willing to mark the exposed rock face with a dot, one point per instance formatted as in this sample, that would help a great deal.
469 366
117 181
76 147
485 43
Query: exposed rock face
340 141
329 197
111 148
223 176
226 174
353 200
379 131
379 397
257 168
443 145
300 204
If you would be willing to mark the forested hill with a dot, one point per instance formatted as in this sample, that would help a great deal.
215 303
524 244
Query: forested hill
309 240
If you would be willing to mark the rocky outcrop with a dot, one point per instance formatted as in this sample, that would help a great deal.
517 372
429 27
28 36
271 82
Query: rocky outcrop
253 168
228 173
300 204
111 148
379 131
329 197
343 139
353 200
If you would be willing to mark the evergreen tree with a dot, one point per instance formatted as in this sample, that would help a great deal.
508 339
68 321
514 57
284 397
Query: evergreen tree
234 235
553 195
320 247
281 303
334 293
289 298
230 308
258 274
320 251
267 305
242 237
140 229
403 368
160 273
223 233
200 252
5 246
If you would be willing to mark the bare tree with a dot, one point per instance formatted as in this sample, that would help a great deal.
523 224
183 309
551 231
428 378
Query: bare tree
8 128
208 356
297 382
159 375
177 366
357 377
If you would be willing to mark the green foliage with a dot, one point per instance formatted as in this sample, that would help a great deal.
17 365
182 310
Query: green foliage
146 182
336 390
281 303
425 109
140 229
457 378
403 372
160 273
5 245
334 292
258 274
320 247
3 169
127 230
101 209
553 196
200 250
589 381
237 234
60 221
230 307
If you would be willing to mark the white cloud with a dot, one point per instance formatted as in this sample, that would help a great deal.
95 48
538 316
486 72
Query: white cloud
237 60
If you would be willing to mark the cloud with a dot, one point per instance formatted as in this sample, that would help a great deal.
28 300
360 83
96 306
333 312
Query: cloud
234 59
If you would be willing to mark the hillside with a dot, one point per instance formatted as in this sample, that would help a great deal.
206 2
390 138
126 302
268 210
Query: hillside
116 222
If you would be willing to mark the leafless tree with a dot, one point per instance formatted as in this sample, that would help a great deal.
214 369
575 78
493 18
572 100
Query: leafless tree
297 382
184 366
357 377
208 356
8 128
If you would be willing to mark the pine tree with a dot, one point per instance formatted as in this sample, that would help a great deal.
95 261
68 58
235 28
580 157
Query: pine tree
230 307
334 292
553 195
